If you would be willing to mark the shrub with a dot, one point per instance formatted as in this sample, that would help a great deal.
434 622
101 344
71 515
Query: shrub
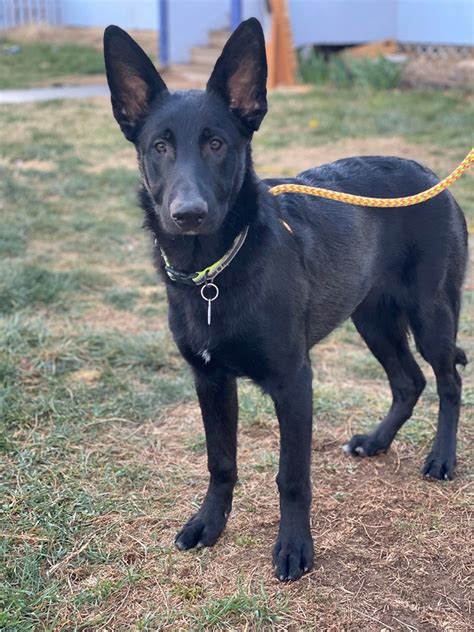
344 71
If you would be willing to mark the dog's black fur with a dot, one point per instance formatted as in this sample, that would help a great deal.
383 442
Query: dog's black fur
390 270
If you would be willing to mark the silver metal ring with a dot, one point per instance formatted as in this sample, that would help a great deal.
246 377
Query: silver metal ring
212 286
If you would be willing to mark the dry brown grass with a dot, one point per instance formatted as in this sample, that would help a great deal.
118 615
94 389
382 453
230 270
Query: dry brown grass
293 160
391 548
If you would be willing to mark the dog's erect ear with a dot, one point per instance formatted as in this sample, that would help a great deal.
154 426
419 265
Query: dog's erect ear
240 74
133 80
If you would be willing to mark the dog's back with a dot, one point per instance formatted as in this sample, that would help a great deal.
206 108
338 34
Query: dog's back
403 255
431 235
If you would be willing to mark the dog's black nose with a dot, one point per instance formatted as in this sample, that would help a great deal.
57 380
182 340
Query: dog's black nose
189 216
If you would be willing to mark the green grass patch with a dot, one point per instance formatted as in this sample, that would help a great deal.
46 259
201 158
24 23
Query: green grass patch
151 351
22 65
121 298
255 407
241 608
32 286
439 119
12 242
46 376
345 72
196 443
266 462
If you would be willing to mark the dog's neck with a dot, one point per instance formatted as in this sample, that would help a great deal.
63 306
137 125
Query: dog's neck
190 253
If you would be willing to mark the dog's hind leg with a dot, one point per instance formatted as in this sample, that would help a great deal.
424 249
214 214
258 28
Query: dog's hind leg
217 395
382 324
434 326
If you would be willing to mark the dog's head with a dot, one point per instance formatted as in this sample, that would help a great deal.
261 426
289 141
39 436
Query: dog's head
192 146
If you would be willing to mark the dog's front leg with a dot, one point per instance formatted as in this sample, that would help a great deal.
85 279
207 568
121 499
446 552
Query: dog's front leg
217 395
293 551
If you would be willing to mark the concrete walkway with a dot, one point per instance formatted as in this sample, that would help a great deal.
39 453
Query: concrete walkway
50 94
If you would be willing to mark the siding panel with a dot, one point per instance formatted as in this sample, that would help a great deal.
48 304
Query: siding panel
436 21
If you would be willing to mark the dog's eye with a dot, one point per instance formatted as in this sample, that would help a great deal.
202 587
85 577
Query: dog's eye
160 147
215 144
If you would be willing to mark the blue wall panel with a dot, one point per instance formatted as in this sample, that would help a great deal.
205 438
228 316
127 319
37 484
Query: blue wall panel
190 21
132 14
342 21
436 21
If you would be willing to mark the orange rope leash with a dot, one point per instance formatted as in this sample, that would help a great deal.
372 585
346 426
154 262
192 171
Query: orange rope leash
361 200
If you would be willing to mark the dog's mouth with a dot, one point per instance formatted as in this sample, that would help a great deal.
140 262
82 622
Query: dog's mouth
195 232
192 228
190 232
173 228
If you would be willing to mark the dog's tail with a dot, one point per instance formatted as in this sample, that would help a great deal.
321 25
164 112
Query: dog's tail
460 357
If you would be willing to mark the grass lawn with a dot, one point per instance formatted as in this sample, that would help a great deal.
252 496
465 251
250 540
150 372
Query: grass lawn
102 450
29 63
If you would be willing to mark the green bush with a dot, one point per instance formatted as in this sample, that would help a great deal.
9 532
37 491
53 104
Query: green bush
380 74
313 68
344 72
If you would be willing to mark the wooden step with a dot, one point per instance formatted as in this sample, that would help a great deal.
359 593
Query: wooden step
204 55
189 75
196 73
218 38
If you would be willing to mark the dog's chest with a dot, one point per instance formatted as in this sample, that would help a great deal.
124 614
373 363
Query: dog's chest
239 357
233 339
223 345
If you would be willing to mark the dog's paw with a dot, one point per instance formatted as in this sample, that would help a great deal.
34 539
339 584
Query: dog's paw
202 529
292 556
364 445
438 466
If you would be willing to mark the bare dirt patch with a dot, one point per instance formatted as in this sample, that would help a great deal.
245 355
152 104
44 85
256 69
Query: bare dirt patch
88 376
44 166
439 73
122 159
391 547
107 318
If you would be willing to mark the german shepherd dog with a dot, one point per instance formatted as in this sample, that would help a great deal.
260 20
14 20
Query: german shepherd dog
300 267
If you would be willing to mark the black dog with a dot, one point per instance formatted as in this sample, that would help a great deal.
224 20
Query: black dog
300 266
